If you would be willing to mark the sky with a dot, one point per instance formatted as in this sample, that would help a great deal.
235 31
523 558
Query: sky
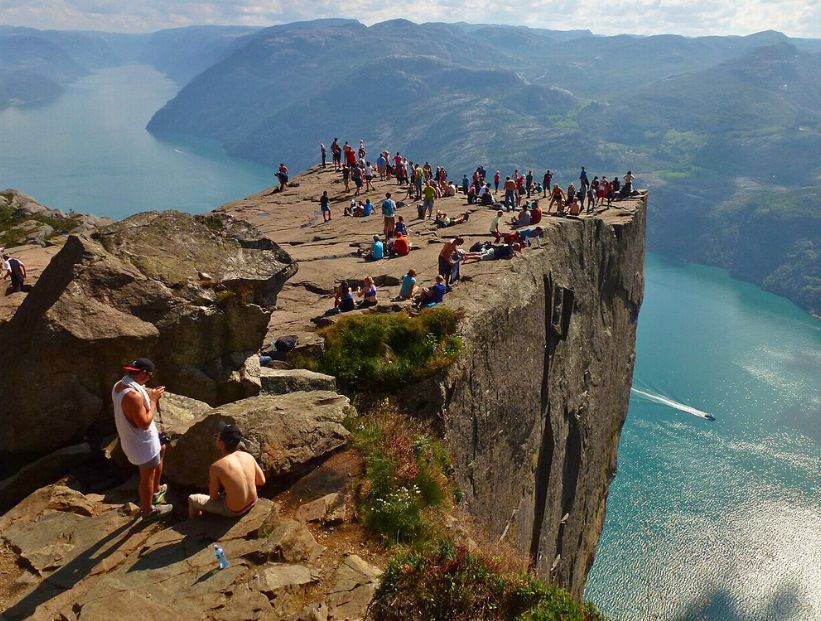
800 18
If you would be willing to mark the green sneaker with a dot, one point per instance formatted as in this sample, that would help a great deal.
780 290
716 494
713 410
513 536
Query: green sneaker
159 495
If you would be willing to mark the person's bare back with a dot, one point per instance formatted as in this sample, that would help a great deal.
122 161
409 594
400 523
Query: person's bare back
238 474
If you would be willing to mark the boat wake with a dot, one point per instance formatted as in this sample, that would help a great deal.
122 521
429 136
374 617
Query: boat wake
670 403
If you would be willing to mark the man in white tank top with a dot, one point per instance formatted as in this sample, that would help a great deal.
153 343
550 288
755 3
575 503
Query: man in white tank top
134 409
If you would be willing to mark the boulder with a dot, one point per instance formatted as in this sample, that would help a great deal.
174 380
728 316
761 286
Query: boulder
281 381
40 473
31 232
330 509
354 585
284 433
134 291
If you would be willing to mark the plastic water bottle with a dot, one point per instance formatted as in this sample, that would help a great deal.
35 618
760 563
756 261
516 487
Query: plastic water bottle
222 562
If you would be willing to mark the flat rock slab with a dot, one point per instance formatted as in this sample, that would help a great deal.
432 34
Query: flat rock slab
283 432
282 381
87 560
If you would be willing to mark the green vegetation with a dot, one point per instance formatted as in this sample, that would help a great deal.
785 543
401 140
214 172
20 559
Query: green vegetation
403 499
10 237
385 352
446 582
405 488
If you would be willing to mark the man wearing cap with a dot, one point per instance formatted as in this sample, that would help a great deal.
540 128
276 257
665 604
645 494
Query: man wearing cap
134 409
232 479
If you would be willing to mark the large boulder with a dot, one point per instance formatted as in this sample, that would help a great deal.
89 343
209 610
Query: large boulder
284 433
191 292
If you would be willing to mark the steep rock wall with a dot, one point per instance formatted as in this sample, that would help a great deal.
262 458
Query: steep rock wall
534 409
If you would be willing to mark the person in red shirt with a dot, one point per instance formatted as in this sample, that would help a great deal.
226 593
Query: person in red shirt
401 245
496 178
535 213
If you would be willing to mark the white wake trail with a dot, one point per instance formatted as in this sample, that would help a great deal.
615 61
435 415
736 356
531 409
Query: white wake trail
670 403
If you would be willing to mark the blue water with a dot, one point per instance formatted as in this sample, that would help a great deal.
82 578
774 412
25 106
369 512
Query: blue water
705 520
717 520
89 151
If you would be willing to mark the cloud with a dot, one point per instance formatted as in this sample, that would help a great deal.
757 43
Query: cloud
687 17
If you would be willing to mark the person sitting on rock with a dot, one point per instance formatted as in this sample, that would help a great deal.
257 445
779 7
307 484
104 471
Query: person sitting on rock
400 246
232 479
401 227
134 410
343 298
408 287
535 213
522 219
377 250
368 293
431 296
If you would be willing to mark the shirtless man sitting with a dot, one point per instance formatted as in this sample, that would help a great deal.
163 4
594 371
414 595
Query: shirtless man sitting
232 479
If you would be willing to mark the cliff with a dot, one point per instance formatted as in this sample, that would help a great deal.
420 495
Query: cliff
533 409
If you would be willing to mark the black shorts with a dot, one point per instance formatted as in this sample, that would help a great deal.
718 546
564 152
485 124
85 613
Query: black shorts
444 268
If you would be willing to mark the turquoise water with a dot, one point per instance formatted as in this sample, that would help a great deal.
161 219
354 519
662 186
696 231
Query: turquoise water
717 520
89 151
706 520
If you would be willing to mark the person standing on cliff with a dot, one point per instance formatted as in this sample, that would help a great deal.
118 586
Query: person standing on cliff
17 270
322 153
282 175
584 182
336 154
325 206
389 215
446 258
134 410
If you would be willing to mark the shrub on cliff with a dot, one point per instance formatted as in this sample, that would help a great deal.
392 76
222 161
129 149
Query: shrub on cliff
387 351
405 486
448 582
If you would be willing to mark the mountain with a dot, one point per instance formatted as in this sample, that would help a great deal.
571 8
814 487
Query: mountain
35 65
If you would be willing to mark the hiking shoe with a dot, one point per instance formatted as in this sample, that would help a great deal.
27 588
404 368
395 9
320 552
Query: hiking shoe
159 495
157 512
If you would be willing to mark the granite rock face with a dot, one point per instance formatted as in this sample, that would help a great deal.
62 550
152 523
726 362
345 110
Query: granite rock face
191 292
533 410
284 433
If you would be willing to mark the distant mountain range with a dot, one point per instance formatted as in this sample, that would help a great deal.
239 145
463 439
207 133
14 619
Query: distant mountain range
725 130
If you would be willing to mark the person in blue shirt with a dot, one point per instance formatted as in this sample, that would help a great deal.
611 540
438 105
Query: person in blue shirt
431 296
533 237
400 226
325 206
465 185
389 215
377 250
367 208
584 182
408 285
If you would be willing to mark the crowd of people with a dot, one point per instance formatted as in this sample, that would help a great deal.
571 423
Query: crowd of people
515 226
519 196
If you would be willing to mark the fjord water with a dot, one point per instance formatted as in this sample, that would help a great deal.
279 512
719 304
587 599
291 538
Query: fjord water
716 520
706 520
89 151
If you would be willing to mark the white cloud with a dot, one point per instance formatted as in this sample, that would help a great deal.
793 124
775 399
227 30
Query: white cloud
687 17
